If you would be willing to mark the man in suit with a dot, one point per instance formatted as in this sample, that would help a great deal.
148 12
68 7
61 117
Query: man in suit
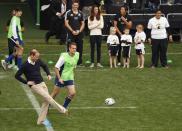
57 10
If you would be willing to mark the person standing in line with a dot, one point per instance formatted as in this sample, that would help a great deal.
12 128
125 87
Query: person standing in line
31 70
122 21
126 41
74 23
139 40
113 46
95 24
159 28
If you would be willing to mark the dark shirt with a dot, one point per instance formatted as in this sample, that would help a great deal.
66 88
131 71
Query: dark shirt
55 7
74 19
32 72
120 23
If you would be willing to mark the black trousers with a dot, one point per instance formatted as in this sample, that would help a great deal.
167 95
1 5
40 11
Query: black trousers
78 39
11 46
159 50
95 40
119 50
56 28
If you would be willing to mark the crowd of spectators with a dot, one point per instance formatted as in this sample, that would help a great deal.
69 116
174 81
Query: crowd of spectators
86 15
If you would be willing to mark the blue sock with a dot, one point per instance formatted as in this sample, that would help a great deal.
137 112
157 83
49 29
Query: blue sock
66 102
19 62
10 58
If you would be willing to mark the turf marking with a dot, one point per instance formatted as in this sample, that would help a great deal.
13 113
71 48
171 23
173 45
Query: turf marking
74 108
34 103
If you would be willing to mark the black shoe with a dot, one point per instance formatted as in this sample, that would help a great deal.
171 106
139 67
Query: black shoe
46 38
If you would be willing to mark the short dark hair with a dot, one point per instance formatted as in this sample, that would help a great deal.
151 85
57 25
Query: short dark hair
75 1
17 9
156 10
72 43
125 7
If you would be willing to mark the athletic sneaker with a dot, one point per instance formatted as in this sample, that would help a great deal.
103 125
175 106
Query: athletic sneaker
15 68
46 123
4 64
92 65
11 66
119 64
99 65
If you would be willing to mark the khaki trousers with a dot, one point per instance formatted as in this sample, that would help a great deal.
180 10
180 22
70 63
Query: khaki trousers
41 89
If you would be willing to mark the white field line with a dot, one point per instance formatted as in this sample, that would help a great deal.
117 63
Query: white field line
3 77
74 108
55 54
34 103
81 70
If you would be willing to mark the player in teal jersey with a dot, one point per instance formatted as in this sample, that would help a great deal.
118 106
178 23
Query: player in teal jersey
64 70
15 37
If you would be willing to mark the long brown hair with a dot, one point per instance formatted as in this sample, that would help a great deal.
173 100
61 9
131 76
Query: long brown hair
93 14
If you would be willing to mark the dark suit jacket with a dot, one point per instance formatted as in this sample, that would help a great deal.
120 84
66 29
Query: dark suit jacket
55 7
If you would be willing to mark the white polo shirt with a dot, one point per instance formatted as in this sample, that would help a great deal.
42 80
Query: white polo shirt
127 38
158 27
140 37
113 40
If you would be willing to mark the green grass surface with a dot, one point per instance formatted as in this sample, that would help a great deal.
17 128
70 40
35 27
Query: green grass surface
156 94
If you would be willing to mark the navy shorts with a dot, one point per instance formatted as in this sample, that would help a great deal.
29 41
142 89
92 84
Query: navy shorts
12 40
140 51
113 50
66 83
126 51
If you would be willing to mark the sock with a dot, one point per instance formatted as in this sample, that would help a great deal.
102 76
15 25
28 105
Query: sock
16 63
19 62
66 102
10 58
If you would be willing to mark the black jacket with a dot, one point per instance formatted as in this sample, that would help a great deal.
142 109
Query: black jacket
55 6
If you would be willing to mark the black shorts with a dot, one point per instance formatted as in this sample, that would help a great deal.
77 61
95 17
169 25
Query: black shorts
11 46
126 51
113 50
140 51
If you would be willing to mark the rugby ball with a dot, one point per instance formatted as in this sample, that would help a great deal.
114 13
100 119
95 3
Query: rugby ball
109 101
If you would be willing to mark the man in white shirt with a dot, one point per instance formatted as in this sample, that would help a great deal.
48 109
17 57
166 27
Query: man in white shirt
159 27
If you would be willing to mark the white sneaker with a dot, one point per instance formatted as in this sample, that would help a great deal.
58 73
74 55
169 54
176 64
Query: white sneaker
124 66
15 68
99 65
10 66
119 64
4 64
92 65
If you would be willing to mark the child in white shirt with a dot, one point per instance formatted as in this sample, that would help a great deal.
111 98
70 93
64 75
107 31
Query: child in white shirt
113 43
139 40
126 41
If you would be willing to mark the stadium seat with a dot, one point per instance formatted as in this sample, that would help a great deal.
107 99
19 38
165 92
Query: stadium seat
171 8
